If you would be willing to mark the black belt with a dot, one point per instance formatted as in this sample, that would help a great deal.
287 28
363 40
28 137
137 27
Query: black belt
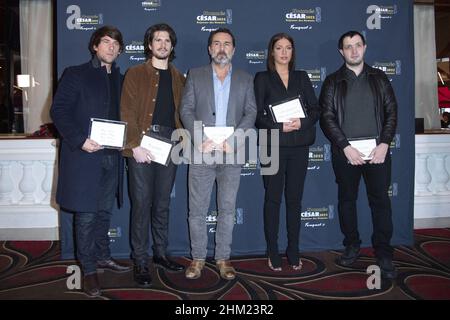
162 130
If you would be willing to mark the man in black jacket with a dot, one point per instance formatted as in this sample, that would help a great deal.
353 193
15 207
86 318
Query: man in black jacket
90 176
358 104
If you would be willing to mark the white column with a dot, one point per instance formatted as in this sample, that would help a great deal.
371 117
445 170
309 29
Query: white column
27 184
423 177
6 183
48 181
440 175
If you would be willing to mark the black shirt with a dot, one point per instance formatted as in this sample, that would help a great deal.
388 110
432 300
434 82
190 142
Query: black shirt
359 107
164 113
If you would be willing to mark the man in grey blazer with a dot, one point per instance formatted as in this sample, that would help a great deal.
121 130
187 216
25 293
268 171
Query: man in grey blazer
215 95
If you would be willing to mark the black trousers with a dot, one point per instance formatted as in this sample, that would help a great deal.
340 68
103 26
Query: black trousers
150 187
290 178
377 178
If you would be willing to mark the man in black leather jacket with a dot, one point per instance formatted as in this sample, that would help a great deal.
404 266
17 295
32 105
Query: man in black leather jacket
358 103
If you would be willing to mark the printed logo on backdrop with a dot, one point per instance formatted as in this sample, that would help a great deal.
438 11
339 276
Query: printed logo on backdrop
211 219
317 76
377 13
393 190
114 233
395 143
391 68
249 168
135 50
317 217
151 5
256 56
212 20
303 18
84 22
318 155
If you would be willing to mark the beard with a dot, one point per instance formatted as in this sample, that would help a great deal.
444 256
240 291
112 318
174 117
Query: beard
161 55
221 58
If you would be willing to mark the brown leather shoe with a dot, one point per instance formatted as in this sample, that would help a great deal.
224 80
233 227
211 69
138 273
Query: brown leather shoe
194 271
226 270
91 286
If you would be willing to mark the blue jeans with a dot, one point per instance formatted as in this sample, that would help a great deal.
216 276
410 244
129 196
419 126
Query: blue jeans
201 181
91 228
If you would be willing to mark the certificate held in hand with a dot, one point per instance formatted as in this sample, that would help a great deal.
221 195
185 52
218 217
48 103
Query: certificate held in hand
287 109
159 147
109 134
218 134
365 146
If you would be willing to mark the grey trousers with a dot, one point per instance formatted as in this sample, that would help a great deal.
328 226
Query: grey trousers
201 181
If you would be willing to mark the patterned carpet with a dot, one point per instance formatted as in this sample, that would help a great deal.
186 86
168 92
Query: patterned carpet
33 270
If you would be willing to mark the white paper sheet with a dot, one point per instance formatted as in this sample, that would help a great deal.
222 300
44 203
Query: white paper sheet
159 149
108 133
218 134
284 111
364 146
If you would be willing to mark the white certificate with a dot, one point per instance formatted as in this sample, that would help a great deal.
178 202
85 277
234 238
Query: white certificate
108 133
365 146
218 134
159 149
283 112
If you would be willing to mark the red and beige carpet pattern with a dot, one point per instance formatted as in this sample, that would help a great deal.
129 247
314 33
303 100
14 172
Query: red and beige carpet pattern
33 270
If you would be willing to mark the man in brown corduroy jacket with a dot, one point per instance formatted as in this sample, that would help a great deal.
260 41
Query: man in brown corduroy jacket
150 103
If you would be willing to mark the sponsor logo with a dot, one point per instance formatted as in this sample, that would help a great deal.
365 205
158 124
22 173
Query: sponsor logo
377 13
314 224
303 15
211 219
249 168
206 29
151 5
84 22
316 217
393 190
114 233
134 47
395 143
135 58
318 154
391 68
136 51
256 56
215 17
317 76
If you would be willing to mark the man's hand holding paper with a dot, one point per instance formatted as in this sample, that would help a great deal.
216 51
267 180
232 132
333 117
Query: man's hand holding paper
158 150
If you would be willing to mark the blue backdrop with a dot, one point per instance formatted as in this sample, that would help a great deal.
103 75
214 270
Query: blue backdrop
315 27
